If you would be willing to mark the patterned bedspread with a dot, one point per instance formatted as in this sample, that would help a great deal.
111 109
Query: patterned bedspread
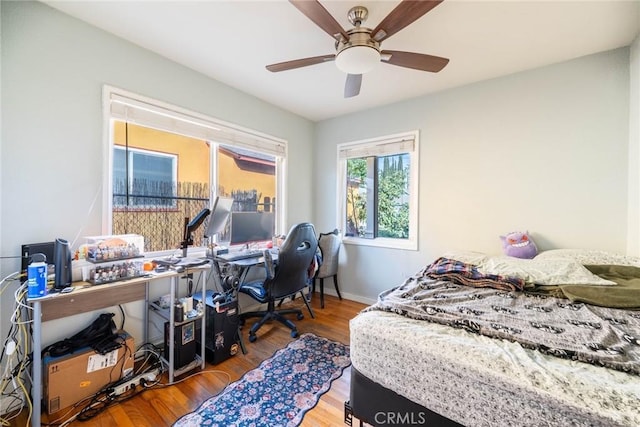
483 382
597 335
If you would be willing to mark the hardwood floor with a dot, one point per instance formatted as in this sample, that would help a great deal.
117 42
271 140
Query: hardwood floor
163 406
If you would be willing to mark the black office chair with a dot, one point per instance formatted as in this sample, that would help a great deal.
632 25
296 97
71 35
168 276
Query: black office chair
284 279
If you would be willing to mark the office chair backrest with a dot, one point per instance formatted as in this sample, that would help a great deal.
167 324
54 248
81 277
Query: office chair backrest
294 257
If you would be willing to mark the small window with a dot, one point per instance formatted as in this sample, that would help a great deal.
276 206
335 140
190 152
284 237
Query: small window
379 182
143 179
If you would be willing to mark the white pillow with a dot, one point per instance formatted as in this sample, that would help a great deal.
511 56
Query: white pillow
590 257
467 257
544 272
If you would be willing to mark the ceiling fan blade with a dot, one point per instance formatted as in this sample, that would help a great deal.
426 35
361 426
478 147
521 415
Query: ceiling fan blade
352 86
313 10
417 61
298 63
404 14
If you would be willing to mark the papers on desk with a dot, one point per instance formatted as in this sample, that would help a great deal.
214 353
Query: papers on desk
192 262
173 262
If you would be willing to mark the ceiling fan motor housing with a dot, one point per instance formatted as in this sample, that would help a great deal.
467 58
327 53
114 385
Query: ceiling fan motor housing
359 54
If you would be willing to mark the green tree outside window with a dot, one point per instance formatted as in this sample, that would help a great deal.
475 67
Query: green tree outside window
389 191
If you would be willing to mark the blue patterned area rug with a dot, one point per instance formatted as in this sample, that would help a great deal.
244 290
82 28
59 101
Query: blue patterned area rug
279 391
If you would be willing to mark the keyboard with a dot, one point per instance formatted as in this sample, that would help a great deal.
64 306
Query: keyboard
238 255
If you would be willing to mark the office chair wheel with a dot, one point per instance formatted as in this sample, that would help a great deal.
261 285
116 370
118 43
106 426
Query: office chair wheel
252 337
294 334
300 316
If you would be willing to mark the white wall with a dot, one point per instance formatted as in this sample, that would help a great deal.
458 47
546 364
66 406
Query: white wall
54 67
633 220
1 51
544 150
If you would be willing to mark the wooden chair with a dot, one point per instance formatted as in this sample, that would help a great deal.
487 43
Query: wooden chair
329 244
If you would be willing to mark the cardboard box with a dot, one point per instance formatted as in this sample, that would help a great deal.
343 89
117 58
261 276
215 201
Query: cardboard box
70 378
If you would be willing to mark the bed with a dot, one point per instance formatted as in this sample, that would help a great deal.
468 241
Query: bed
475 340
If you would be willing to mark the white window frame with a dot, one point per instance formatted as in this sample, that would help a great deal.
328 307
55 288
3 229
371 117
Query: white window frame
119 104
407 142
129 152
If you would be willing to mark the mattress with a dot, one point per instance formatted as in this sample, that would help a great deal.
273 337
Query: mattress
480 381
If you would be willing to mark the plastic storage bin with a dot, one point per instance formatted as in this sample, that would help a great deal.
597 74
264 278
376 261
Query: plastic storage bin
113 248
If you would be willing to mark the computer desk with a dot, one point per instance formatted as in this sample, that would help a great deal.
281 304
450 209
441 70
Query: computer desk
87 297
244 265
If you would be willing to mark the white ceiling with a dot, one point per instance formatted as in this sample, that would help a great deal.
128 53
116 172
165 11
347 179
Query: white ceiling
232 41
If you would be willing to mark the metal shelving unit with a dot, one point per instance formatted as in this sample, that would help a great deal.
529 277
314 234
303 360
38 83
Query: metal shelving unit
168 315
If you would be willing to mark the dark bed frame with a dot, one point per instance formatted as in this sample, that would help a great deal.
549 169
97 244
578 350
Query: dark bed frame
374 404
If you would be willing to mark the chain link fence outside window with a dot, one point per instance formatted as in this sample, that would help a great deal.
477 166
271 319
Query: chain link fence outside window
157 210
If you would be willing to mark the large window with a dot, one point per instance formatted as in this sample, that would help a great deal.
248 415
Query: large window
166 164
379 184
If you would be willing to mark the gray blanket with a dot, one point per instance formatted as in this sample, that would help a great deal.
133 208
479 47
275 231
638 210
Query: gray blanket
602 336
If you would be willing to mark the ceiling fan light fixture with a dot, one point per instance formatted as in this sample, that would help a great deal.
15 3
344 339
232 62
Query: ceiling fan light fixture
357 59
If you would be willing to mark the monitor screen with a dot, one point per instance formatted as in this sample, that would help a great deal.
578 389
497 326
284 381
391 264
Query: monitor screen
247 227
219 216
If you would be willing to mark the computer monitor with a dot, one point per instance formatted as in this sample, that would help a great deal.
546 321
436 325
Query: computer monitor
249 227
29 249
220 215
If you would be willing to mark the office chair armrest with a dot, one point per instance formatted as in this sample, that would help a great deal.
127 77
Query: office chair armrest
268 264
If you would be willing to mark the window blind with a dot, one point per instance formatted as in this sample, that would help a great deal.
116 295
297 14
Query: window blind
150 114
403 144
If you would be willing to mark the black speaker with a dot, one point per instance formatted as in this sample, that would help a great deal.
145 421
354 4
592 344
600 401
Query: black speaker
62 262
221 327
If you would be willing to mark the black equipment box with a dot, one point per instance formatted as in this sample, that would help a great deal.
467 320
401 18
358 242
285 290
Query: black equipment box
221 327
184 348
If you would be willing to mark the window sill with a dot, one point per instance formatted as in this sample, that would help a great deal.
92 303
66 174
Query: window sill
381 242
146 209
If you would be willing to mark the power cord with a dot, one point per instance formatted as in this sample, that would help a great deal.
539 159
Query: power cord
15 354
93 405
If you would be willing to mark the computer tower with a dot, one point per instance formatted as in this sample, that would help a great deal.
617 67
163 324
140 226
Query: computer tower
184 348
221 328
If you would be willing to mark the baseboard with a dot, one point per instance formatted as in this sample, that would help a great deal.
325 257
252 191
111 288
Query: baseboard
347 295
252 306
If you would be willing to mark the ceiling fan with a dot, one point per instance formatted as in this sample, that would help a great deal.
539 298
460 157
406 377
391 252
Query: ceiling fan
358 49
